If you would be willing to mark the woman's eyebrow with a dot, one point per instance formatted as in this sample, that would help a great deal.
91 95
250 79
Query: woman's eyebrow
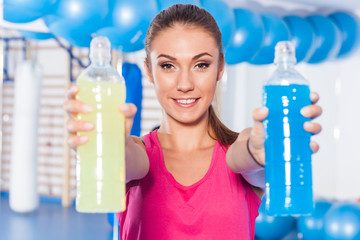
166 56
200 55
194 58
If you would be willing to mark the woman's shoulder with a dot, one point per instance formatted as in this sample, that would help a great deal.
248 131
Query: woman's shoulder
146 140
139 140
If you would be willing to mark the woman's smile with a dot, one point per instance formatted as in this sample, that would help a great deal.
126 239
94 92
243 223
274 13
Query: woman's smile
186 102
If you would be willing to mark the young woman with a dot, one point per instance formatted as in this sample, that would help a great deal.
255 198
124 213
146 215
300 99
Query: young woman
193 178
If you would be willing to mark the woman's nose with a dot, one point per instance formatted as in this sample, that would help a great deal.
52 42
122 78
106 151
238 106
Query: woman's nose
185 82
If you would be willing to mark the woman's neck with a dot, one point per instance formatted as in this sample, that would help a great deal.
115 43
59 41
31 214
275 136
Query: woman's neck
184 137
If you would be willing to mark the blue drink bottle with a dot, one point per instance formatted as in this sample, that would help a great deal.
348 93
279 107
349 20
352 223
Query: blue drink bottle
288 173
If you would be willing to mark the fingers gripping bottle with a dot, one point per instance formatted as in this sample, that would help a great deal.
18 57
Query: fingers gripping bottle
100 166
288 173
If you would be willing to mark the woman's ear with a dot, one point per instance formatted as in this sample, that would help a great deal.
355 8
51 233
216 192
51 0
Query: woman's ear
221 66
148 71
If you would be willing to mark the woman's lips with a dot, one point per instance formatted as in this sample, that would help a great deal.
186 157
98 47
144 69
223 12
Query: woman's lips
186 102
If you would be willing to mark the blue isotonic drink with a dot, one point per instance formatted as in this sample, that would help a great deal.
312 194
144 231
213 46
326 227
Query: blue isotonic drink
288 173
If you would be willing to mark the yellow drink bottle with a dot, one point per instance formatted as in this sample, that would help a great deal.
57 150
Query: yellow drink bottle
100 163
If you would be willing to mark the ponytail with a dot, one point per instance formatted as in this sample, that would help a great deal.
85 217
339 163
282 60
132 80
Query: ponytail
223 134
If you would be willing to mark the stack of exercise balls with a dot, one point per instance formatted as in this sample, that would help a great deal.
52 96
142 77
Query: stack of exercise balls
272 227
316 38
329 221
312 226
248 36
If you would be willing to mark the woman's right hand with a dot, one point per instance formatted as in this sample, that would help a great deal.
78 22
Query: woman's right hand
74 107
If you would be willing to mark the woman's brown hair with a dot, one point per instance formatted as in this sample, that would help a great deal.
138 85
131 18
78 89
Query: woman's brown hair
193 16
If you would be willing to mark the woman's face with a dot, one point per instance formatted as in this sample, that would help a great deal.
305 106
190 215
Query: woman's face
184 70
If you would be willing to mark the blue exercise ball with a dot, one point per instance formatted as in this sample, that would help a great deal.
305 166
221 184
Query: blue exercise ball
302 35
78 39
127 23
224 17
312 226
247 37
76 20
272 227
275 31
36 35
342 222
163 4
24 11
327 39
350 31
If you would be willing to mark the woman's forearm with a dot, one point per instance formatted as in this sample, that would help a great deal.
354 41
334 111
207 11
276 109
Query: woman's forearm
136 159
240 160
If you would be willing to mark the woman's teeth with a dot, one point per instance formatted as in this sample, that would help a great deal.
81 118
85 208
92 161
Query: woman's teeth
185 101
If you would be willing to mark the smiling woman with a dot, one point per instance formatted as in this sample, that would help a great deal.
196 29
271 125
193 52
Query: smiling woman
192 178
184 62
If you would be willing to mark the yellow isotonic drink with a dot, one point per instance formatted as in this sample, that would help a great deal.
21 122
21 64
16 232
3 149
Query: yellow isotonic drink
100 168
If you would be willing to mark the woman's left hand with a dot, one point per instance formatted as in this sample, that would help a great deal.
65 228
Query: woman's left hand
312 111
256 141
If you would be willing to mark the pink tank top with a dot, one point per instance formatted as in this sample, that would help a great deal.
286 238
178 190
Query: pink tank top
222 205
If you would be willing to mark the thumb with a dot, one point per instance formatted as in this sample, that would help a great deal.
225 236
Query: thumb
129 110
257 132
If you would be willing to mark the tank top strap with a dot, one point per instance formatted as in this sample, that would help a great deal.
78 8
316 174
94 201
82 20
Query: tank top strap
152 147
149 140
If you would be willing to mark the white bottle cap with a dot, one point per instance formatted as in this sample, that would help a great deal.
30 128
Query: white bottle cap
285 52
100 49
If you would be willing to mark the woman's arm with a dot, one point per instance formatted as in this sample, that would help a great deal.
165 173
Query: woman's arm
247 154
136 159
240 160
240 150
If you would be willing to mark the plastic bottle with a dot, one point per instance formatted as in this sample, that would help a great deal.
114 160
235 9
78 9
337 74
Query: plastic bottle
100 166
288 173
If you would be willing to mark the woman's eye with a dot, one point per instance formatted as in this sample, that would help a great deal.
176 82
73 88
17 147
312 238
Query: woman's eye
166 66
202 66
